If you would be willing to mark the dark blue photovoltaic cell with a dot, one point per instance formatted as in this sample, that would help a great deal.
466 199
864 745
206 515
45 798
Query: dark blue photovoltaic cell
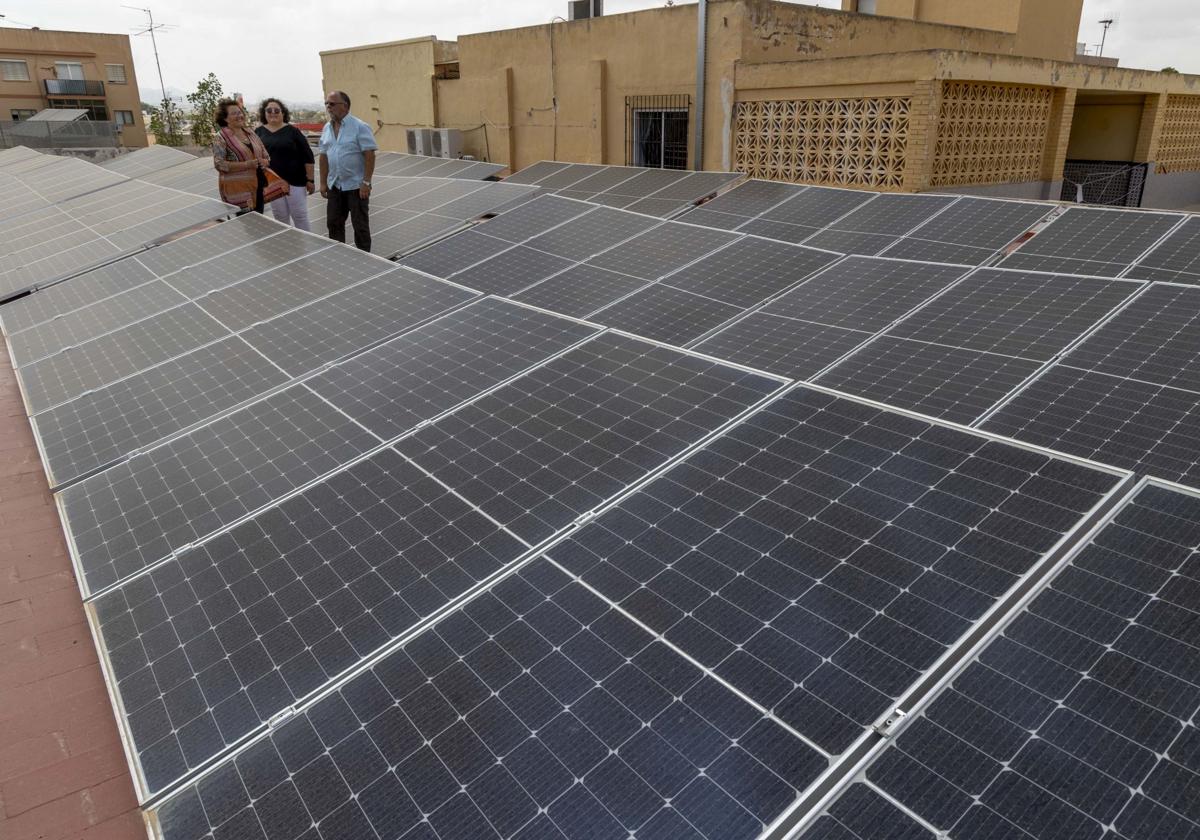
535 711
823 554
1077 721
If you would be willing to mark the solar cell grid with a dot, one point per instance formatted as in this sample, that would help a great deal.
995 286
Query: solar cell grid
401 238
331 328
752 198
108 315
644 183
1075 722
442 193
535 173
893 214
783 346
570 176
850 242
663 313
450 256
207 648
96 363
600 180
1092 241
662 249
951 383
137 513
74 254
219 270
558 441
970 233
423 373
579 291
1033 316
290 286
64 298
817 207
823 554
512 270
194 214
1176 259
134 413
532 218
749 271
591 233
865 294
485 200
694 186
1136 425
663 208
536 711
141 162
1152 339
218 240
714 219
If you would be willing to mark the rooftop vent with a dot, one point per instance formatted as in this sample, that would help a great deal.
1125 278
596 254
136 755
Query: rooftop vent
582 9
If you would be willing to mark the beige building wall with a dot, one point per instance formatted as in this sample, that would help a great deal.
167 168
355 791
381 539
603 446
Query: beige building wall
1106 127
40 49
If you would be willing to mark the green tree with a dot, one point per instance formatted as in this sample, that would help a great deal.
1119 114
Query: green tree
1169 70
204 105
166 124
148 108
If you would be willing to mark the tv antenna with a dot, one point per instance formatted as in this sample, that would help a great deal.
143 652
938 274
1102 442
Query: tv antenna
1106 23
150 29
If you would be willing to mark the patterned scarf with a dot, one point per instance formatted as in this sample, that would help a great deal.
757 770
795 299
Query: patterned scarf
235 145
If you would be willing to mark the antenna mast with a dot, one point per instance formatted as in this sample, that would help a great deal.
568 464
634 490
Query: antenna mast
1107 22
151 29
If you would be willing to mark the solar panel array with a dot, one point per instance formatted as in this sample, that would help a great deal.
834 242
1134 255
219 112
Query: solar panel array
379 550
652 192
69 215
398 163
151 159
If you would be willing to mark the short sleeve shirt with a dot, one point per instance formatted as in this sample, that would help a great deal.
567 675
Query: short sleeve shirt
345 152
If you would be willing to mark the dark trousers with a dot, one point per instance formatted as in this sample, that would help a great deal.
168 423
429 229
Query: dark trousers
343 203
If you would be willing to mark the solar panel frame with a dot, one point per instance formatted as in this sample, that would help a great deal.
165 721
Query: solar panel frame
579 290
1175 259
63 299
972 233
662 249
511 271
664 313
144 161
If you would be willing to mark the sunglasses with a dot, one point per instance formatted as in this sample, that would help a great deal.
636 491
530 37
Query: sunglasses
331 104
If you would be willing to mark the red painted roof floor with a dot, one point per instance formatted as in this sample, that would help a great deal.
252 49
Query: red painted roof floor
63 774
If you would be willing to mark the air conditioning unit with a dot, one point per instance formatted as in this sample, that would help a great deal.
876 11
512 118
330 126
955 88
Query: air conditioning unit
419 141
584 9
447 142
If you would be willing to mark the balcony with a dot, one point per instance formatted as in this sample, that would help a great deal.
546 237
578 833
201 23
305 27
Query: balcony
74 87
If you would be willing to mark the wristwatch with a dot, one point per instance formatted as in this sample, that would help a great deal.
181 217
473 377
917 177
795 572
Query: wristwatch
366 183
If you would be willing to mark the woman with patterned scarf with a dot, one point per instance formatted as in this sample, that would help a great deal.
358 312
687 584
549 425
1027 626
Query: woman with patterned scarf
239 157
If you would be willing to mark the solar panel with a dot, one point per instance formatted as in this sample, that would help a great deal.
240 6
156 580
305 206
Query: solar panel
663 313
961 353
1176 258
591 233
63 298
483 201
579 291
77 252
570 175
558 441
291 285
511 271
535 173
141 162
1127 395
532 218
212 242
661 250
875 225
207 648
1088 240
442 193
134 413
971 233
1074 722
103 360
822 555
417 231
109 315
451 255
329 329
810 211
749 271
429 370
214 269
807 329
750 198
598 181
137 513
537 711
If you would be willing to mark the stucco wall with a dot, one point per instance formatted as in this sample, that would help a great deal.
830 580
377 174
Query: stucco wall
1106 128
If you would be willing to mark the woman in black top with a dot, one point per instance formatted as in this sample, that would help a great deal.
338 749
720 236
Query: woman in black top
291 159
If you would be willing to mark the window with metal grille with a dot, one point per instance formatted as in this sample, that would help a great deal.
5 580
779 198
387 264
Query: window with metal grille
116 73
656 131
13 70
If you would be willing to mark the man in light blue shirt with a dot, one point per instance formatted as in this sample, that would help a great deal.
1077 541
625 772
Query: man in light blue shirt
347 161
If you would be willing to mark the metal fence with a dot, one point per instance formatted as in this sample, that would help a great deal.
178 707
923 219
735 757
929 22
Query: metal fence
1112 182
47 134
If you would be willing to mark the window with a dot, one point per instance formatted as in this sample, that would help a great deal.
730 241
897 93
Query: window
866 7
19 114
116 73
13 70
656 131
124 117
68 70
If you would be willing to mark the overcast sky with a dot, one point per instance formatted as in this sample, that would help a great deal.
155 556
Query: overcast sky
269 47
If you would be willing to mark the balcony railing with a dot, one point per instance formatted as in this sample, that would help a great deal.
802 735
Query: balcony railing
74 87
